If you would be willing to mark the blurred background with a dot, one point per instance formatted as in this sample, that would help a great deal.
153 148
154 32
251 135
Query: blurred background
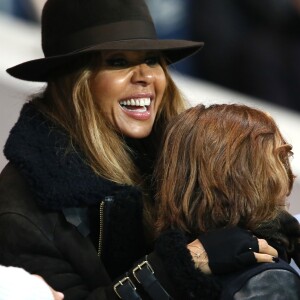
251 56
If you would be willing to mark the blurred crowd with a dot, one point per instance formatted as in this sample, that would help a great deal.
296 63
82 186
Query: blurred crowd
28 10
251 46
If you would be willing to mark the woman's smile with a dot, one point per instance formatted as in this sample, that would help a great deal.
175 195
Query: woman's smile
138 107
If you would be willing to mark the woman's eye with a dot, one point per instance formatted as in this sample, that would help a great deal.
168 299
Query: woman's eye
152 60
117 62
125 63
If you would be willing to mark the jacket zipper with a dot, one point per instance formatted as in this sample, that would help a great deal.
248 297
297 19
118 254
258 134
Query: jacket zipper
104 211
101 227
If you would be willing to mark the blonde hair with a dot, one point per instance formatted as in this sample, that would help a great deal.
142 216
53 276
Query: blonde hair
68 102
220 166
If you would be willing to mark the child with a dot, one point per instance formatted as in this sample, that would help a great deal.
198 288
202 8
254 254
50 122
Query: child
224 166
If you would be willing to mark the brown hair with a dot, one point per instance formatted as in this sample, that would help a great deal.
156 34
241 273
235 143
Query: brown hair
67 100
220 166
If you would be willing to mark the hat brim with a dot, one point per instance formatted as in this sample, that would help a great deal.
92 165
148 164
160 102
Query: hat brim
40 69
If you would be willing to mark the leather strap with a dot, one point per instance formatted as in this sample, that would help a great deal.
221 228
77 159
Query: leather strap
144 275
126 290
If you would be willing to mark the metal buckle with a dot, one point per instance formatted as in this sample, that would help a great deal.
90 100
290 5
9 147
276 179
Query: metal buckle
121 282
139 267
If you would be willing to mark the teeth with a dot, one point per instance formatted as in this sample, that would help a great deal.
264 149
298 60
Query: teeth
136 102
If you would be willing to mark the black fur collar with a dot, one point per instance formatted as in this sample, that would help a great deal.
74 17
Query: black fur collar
57 174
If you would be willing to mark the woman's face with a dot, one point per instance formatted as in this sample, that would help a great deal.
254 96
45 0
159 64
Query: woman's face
129 86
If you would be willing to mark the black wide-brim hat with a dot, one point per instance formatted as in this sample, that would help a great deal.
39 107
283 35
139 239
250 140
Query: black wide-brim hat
71 28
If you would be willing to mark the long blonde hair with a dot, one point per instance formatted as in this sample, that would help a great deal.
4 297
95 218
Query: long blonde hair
220 166
67 100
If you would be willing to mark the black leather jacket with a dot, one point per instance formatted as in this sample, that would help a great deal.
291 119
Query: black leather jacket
50 219
276 281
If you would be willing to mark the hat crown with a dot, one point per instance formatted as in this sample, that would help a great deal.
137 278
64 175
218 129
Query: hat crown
64 18
72 28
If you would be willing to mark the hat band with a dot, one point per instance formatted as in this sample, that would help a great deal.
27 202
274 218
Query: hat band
93 36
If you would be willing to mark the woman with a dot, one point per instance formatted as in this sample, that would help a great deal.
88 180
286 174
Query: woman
75 203
234 172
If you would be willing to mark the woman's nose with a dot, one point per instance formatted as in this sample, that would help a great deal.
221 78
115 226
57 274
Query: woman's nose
143 74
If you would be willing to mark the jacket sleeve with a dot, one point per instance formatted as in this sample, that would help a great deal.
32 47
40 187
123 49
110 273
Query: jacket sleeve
24 244
190 282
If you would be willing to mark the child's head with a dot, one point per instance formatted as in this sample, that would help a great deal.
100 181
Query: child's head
222 165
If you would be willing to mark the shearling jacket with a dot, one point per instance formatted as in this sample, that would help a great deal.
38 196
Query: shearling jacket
79 231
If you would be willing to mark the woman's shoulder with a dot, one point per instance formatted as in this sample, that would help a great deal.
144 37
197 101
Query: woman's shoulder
17 202
15 193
